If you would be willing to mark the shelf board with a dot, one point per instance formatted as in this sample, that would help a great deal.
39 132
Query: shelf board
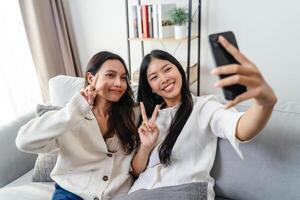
168 39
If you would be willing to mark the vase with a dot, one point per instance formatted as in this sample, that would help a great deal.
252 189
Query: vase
180 31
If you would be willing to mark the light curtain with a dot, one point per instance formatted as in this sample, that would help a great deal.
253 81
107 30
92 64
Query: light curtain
52 46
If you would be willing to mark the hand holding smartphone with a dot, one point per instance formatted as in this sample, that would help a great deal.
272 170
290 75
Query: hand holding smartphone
223 57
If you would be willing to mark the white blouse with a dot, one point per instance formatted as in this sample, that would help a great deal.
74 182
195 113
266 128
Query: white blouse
194 152
87 165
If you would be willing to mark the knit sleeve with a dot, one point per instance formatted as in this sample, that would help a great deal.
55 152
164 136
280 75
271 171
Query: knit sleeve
39 135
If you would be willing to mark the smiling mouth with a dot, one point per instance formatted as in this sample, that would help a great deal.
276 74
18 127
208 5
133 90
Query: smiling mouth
116 91
168 87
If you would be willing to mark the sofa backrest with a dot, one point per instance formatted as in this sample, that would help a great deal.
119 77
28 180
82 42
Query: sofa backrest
271 165
13 163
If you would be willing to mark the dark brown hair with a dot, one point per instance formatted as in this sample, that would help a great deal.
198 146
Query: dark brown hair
150 99
121 115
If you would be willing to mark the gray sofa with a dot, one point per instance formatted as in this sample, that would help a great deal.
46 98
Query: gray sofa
271 165
270 169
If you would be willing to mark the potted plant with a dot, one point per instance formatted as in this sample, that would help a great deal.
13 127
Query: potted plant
179 17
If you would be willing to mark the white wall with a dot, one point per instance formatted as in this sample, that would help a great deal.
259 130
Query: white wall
97 25
268 32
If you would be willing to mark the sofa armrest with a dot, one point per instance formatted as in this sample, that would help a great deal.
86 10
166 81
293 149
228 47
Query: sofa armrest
14 163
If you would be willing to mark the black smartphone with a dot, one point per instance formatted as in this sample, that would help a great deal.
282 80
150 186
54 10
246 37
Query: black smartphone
223 57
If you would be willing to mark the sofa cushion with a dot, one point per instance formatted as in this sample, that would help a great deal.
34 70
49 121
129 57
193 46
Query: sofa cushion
62 88
45 162
43 167
24 179
270 169
189 191
30 191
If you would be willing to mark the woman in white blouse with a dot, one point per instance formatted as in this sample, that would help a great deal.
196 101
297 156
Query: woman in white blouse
94 133
179 141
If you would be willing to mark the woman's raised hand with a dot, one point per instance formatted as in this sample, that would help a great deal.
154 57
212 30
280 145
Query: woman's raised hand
148 131
247 74
90 92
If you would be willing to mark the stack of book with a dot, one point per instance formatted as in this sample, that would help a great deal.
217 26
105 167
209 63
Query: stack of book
151 21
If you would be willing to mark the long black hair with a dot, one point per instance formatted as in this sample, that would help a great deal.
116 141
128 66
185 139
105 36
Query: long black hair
150 99
121 115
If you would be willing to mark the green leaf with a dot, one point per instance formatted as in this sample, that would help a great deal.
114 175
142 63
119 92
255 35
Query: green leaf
178 16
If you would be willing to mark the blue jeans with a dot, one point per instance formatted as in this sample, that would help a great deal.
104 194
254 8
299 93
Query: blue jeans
62 194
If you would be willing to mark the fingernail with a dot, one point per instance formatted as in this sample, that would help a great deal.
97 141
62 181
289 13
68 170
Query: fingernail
214 71
217 84
221 38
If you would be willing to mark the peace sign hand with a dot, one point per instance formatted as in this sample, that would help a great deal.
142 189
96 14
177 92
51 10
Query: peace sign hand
90 92
148 131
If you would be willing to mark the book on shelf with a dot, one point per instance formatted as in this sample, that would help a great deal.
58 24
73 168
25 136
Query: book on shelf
145 21
155 21
152 21
150 18
139 18
134 30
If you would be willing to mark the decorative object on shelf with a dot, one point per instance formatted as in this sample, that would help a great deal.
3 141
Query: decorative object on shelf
179 17
165 26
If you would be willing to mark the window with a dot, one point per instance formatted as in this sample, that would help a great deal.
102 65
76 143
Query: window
19 85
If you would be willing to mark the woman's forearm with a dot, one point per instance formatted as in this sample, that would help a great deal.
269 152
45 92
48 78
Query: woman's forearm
39 135
254 120
140 161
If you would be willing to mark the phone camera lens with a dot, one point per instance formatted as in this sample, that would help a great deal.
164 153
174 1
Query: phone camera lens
215 38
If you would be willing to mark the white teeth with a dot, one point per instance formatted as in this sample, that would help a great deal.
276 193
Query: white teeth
169 87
